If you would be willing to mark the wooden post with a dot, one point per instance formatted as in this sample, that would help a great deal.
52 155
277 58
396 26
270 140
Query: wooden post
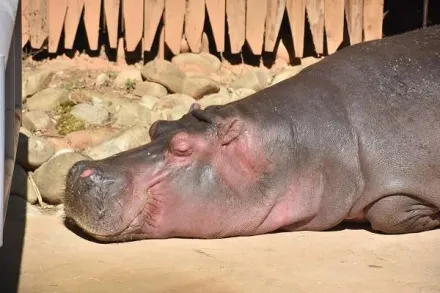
275 12
216 12
315 13
194 21
255 12
38 23
236 15
354 13
296 11
92 14
334 24
373 19
174 18
153 11
74 10
133 11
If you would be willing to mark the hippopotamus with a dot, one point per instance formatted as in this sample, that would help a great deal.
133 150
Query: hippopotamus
354 137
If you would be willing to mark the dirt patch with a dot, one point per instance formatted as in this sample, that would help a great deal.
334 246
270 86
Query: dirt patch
56 260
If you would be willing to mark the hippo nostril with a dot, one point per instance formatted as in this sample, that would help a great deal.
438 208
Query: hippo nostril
84 170
78 168
87 173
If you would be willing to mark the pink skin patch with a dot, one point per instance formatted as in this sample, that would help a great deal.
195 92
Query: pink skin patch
87 173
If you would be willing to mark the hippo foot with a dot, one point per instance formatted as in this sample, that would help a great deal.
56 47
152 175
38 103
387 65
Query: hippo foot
400 214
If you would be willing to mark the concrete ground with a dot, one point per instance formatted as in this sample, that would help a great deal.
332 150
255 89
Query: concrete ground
51 258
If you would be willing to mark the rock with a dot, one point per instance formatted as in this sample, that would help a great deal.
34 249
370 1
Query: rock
58 143
102 79
255 79
202 64
278 66
19 209
33 151
214 99
197 87
235 71
307 61
165 73
36 82
170 101
25 132
132 137
285 74
224 76
184 46
63 151
175 113
150 88
215 62
50 178
148 102
90 114
225 90
21 185
60 214
282 52
240 94
83 139
135 114
128 79
205 43
225 96
111 103
47 99
36 120
130 97
85 96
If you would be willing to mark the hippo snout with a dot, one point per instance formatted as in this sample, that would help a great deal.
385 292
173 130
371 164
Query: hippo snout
96 195
94 184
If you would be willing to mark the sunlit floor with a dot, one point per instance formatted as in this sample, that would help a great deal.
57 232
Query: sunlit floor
54 259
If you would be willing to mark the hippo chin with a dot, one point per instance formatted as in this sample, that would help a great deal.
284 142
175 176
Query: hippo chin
353 137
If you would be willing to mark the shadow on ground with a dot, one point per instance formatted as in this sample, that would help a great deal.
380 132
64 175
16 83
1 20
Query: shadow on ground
12 250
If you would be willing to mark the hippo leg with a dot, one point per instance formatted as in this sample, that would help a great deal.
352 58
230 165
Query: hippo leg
398 214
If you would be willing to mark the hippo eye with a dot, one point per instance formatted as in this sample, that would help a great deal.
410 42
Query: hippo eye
182 147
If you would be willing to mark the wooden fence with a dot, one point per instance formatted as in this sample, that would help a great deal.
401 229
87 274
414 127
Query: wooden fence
256 22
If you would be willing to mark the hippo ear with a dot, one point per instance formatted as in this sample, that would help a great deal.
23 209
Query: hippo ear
160 127
230 131
195 106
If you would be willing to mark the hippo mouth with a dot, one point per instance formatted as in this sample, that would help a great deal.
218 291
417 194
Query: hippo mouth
105 202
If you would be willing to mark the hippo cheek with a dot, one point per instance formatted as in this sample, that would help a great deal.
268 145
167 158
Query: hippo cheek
101 200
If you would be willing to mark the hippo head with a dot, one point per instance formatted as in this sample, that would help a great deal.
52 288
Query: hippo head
198 177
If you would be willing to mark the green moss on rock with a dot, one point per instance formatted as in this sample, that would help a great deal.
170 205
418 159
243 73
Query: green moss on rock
64 108
69 123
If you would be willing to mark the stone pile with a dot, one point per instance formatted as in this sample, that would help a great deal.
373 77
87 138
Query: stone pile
64 122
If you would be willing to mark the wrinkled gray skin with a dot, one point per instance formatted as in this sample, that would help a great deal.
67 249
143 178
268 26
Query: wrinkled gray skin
353 137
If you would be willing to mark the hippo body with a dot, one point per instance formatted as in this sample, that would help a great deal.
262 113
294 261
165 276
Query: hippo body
355 137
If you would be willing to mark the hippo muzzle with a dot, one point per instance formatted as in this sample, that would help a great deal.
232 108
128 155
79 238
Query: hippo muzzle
96 192
106 198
